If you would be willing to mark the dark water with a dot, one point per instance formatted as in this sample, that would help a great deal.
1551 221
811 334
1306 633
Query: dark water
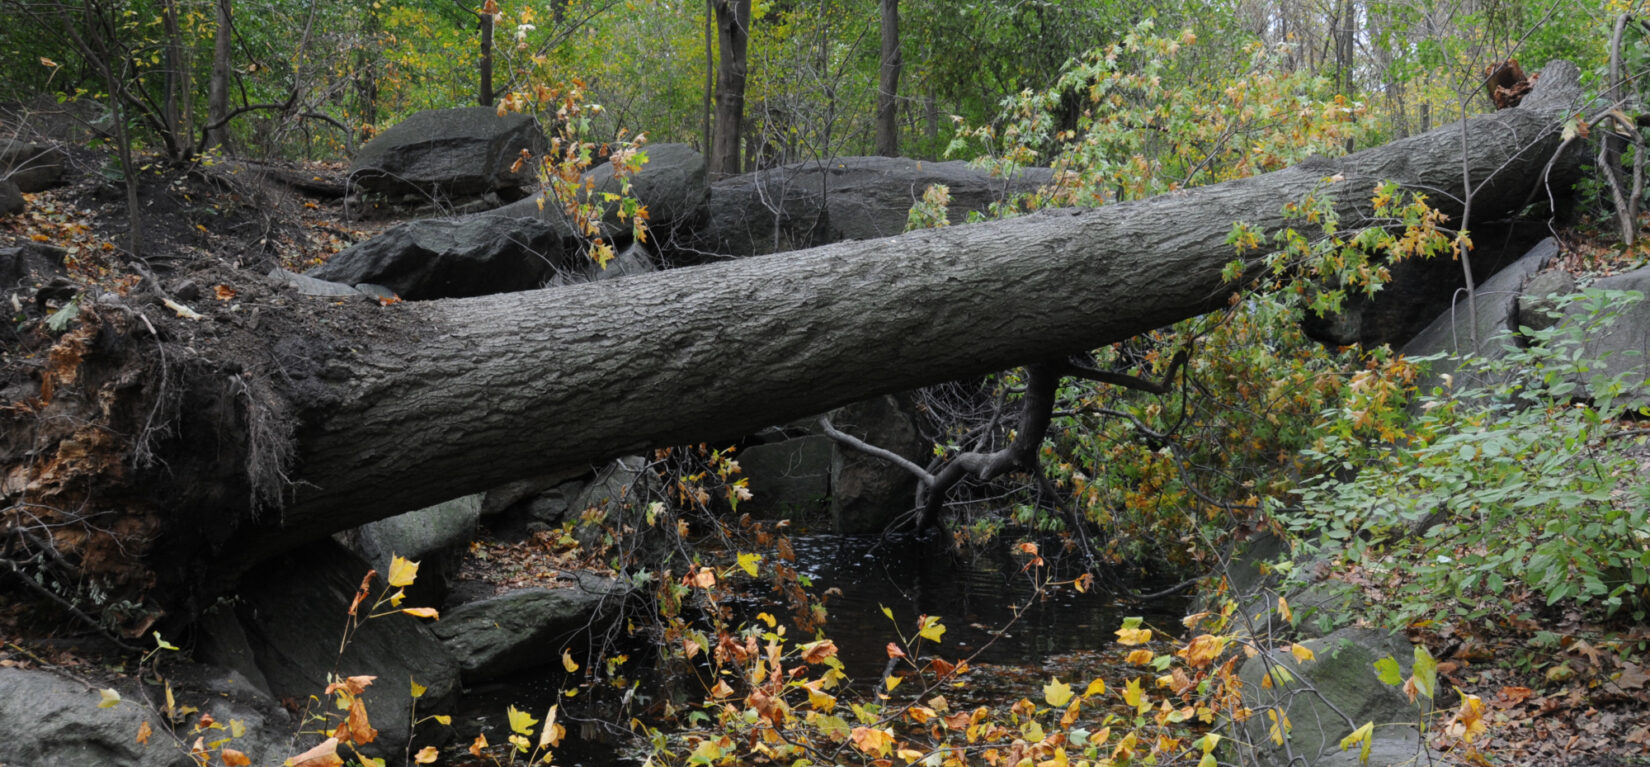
988 601
1005 619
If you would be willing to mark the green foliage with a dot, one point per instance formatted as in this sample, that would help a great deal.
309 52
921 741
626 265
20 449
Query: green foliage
1130 120
1501 488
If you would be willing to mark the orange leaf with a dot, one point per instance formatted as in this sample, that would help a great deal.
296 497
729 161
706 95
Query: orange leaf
705 579
144 731
355 728
233 758
873 741
224 292
361 594
479 743
894 651
817 652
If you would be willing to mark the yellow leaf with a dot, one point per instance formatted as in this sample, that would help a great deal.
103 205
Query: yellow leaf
417 689
1279 728
426 755
567 661
1132 693
1358 736
422 612
892 681
402 571
1057 693
1283 609
1133 636
1139 657
237 728
111 698
766 618
1096 687
521 722
443 719
748 563
930 628
1302 653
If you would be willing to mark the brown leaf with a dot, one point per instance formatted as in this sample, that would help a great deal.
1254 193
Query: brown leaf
323 755
1632 677
355 728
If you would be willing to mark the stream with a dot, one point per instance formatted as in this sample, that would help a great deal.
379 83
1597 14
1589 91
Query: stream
1064 633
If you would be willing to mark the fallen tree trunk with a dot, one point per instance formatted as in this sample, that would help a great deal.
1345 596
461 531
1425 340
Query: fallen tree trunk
371 412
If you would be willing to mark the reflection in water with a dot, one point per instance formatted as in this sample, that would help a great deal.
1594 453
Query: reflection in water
975 595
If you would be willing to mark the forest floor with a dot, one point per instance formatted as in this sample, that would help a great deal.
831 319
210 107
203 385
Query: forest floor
1562 690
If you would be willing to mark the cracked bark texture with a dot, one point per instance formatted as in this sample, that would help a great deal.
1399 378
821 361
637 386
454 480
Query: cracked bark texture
400 408
502 387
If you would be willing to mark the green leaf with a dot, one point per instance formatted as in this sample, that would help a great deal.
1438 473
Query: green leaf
1386 669
61 318
1426 672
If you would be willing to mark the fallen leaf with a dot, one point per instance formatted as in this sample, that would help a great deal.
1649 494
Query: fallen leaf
323 755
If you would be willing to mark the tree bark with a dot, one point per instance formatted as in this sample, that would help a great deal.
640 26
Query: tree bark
379 411
887 141
733 23
484 94
217 90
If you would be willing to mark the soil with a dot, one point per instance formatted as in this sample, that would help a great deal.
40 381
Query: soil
216 394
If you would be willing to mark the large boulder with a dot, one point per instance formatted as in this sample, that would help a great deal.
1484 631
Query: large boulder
451 153
32 167
1417 290
671 184
50 718
1320 695
454 257
436 537
292 615
1451 333
866 491
470 256
11 198
1623 346
526 627
848 198
788 478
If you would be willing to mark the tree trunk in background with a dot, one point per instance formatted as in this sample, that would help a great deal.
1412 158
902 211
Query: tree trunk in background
888 85
217 90
367 412
710 69
484 95
733 21
178 99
